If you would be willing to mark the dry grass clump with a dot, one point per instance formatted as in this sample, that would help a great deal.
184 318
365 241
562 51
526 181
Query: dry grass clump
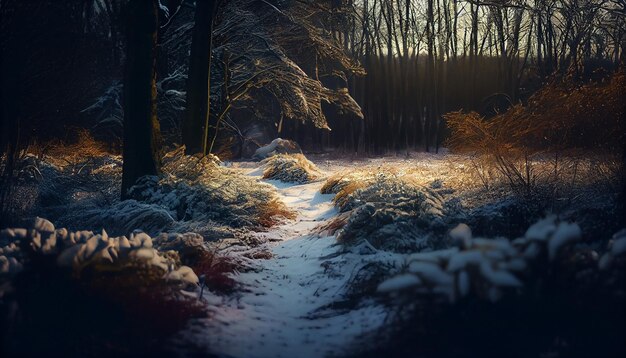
189 167
345 183
196 190
387 208
193 194
80 146
561 123
273 212
332 226
291 168
216 271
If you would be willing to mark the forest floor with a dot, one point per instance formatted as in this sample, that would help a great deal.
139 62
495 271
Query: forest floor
283 308
297 303
319 283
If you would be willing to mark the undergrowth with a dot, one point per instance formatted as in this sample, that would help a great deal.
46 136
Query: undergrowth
291 168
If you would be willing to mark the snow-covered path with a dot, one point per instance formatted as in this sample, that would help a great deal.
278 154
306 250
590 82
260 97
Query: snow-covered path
279 314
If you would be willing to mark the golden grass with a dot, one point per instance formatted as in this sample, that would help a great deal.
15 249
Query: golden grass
273 212
80 147
332 226
561 122
83 145
291 168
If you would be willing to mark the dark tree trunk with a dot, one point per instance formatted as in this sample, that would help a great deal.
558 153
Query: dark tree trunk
196 128
12 58
141 126
623 191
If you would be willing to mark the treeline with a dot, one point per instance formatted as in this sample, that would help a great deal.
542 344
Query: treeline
424 58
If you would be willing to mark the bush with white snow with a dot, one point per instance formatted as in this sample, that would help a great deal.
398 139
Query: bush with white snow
291 168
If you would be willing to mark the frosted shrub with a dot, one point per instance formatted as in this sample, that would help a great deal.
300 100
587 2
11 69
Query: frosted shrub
199 191
390 212
291 168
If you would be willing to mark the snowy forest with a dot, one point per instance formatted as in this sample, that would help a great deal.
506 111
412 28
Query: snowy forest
313 178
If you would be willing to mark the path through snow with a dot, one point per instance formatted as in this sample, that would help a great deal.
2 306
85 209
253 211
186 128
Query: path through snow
276 316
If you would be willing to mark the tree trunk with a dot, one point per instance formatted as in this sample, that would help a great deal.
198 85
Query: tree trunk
196 129
141 126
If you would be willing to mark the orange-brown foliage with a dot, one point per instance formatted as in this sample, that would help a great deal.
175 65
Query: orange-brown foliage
271 212
82 145
216 272
563 118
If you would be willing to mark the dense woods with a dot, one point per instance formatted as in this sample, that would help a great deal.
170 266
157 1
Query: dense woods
406 63
427 58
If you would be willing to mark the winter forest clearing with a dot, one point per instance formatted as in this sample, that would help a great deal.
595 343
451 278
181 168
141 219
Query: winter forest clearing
299 178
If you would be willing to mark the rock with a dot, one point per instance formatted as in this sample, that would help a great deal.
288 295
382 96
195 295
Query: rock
184 274
43 225
140 240
277 146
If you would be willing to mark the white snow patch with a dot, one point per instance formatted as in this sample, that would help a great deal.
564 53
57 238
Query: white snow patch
461 234
500 278
565 234
619 247
431 273
542 229
463 259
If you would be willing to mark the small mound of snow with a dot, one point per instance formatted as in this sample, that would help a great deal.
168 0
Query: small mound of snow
542 229
461 235
97 253
496 266
393 214
400 282
565 233
277 146
291 168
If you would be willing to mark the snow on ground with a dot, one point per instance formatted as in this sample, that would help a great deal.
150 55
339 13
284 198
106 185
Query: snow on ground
276 314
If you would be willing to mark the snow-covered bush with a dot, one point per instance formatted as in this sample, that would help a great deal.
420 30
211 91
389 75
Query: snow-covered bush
94 287
547 287
486 268
389 211
107 112
291 168
198 193
122 217
99 254
193 194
